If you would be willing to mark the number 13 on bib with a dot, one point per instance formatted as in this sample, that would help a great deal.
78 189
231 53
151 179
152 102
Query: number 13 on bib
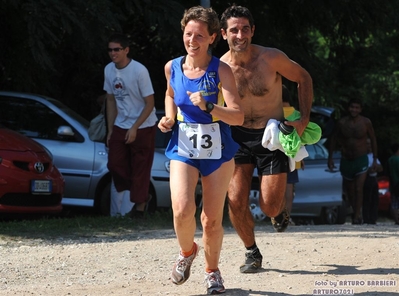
200 141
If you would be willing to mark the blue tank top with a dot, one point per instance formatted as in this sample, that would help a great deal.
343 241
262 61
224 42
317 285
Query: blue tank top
208 85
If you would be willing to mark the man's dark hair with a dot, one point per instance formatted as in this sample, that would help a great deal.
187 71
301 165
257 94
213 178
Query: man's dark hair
120 38
236 12
355 101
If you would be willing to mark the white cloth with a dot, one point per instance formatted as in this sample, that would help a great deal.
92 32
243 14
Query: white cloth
120 202
370 157
270 140
130 86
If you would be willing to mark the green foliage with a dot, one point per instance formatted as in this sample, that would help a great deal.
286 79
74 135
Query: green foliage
57 47
154 30
53 46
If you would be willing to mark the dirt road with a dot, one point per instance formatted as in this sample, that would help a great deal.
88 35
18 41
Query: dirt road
305 260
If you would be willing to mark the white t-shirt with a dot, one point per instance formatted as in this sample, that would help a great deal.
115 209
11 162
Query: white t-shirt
129 86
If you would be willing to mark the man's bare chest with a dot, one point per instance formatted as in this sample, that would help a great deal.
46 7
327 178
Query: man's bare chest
253 80
350 130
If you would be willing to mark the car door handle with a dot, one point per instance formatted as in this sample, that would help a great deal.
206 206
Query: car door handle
332 171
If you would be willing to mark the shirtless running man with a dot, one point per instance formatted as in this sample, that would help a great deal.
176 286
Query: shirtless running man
258 73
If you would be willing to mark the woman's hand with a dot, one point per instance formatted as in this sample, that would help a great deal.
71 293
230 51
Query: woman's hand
166 124
197 99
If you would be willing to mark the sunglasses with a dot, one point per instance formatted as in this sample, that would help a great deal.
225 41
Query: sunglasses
116 49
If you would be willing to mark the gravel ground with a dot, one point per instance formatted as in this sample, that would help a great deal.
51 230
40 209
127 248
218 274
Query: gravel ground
305 260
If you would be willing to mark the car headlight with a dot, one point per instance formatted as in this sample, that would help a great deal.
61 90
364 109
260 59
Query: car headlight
167 166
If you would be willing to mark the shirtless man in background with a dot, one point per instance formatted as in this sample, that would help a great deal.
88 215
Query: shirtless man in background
351 134
258 73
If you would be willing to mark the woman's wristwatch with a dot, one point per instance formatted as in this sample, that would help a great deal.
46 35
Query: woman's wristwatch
209 107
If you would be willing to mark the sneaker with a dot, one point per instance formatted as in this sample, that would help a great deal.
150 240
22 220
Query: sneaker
358 221
214 283
181 269
136 214
253 261
280 223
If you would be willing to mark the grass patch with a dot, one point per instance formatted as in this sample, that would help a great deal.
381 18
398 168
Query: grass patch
85 224
81 226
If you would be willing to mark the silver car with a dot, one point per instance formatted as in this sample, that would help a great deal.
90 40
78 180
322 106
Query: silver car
318 194
82 162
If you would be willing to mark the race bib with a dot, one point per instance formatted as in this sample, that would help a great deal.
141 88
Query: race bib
200 141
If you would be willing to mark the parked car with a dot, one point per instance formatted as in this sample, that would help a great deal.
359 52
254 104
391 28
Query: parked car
29 181
82 162
384 202
318 194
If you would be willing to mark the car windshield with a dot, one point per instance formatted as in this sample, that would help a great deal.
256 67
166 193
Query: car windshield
317 151
70 112
37 118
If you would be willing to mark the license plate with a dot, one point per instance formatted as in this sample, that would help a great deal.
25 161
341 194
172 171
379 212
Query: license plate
41 186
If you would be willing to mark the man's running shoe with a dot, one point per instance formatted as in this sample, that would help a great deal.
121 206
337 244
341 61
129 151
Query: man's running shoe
181 269
280 223
253 261
214 283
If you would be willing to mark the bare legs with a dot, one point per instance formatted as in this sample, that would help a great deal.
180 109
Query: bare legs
183 182
354 189
289 197
271 200
214 189
183 179
238 197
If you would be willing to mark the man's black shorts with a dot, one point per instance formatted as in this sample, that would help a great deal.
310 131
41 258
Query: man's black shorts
251 151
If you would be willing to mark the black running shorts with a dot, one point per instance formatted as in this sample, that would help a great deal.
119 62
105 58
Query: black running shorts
251 151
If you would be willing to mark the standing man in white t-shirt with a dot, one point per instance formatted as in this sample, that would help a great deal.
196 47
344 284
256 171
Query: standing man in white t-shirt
131 123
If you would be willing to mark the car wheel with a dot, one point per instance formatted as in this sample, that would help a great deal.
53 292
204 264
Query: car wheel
342 213
333 215
254 206
104 202
152 205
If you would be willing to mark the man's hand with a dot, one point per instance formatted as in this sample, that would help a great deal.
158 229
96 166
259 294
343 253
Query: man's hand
108 137
130 136
374 165
299 125
330 164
